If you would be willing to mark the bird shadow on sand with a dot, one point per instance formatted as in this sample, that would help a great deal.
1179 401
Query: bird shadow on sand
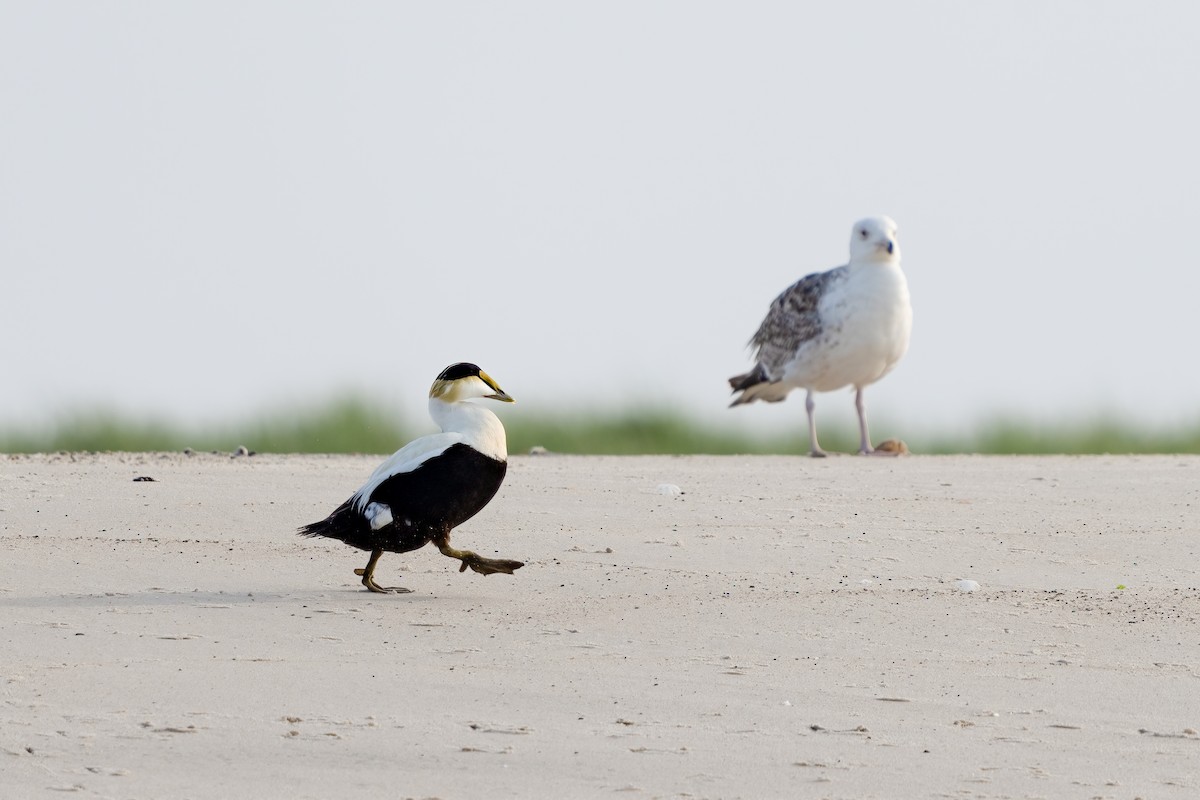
158 597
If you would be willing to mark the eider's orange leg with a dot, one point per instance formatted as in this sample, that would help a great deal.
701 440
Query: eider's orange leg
368 577
484 566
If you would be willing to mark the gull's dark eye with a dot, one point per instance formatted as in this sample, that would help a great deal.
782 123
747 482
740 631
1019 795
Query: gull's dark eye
863 233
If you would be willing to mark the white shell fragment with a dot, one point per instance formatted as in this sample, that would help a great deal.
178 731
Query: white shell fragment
669 489
966 586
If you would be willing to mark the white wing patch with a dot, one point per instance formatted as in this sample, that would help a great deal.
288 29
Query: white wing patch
378 515
406 459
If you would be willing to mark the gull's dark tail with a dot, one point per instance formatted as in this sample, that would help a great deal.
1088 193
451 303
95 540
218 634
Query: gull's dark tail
757 385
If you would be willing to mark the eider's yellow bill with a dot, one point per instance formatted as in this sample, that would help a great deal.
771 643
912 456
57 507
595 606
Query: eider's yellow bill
500 394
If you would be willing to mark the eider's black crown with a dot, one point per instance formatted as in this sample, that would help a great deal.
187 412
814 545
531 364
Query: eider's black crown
462 369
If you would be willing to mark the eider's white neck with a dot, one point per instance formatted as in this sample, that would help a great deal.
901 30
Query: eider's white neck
481 429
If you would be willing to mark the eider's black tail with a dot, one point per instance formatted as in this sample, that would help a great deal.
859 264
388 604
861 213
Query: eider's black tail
344 524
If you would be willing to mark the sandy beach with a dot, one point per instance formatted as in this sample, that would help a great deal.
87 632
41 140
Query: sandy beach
684 627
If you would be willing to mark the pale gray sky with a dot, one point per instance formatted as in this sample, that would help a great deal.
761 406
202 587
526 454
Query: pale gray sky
208 209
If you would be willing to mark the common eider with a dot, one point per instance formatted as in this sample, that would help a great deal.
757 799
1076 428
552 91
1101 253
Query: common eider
844 327
433 484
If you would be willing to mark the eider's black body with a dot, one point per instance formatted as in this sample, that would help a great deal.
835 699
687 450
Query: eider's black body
440 494
433 484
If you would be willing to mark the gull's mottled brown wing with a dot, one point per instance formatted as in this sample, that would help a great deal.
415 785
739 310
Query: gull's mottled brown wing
793 319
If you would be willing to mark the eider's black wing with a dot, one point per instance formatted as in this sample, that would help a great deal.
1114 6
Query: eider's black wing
445 490
439 493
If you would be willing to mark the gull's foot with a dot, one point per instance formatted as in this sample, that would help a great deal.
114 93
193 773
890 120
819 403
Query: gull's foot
369 582
817 453
488 566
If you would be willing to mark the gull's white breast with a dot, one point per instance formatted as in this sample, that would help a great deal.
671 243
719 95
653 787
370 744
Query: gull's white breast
866 324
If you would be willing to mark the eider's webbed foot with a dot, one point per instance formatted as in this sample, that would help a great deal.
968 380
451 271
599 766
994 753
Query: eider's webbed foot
484 566
488 566
370 583
368 577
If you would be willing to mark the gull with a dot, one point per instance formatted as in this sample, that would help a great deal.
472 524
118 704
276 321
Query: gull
848 326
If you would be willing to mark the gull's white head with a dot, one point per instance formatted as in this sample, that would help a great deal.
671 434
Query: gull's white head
874 239
464 381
